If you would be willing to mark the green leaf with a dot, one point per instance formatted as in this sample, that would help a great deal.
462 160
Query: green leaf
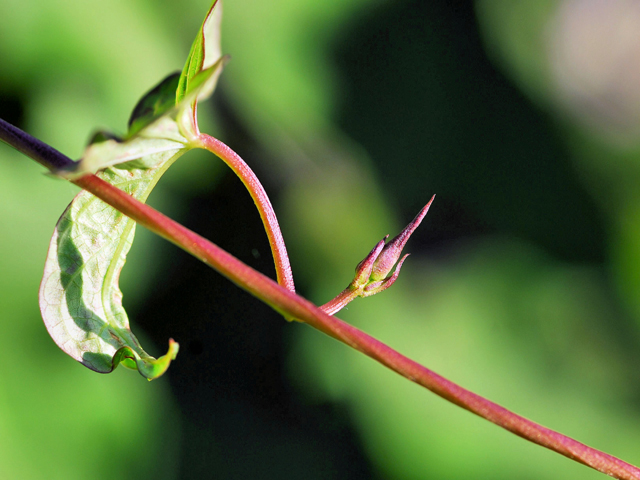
80 300
205 51
154 134
157 102
102 136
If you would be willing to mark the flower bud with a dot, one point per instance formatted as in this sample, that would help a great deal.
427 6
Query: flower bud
371 273
392 250
363 270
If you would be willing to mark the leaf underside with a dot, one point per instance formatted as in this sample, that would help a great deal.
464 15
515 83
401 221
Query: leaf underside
80 300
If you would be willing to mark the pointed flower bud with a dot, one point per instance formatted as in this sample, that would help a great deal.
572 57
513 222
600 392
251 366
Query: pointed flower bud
371 273
392 250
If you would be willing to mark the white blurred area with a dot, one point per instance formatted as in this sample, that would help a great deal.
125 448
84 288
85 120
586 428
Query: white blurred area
594 54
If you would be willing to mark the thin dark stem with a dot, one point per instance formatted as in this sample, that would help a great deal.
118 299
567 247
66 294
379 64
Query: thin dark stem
290 304
33 148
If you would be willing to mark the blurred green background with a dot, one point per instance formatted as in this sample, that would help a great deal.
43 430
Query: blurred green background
524 119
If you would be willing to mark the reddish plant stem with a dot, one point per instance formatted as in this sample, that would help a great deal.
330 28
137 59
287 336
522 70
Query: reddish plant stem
260 198
289 304
269 219
342 300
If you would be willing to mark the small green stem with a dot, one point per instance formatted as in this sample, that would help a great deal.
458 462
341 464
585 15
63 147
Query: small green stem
289 304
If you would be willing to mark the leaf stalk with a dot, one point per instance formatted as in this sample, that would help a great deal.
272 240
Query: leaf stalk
263 204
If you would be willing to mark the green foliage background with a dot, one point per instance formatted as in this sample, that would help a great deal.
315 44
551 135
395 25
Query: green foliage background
522 286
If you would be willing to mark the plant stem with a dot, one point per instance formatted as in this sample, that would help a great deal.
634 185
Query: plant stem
260 198
33 148
269 219
342 300
289 304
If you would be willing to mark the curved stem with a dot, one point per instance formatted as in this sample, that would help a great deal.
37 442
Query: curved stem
260 198
290 304
269 219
